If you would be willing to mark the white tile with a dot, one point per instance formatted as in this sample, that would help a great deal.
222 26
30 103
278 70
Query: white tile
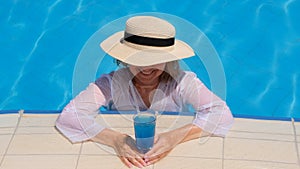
8 120
37 130
40 162
260 136
4 141
103 161
6 130
207 147
96 162
297 126
38 120
188 163
115 120
250 149
91 148
170 122
42 144
263 126
234 164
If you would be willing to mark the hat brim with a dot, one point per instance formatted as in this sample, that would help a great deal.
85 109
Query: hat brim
146 56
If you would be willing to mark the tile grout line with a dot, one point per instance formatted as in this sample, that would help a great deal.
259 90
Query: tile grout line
20 112
296 141
79 155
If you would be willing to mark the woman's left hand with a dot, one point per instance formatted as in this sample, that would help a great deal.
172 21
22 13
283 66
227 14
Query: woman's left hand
163 144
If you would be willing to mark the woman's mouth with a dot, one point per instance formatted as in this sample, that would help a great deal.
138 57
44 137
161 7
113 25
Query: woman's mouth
147 72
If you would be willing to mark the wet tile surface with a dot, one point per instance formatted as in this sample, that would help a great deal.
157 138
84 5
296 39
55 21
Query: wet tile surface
35 143
8 120
38 120
250 149
235 164
4 140
42 144
190 163
204 147
39 161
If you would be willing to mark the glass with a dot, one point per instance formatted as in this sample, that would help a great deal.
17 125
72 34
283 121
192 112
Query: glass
144 129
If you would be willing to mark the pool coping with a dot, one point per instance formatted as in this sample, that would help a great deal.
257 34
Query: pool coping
163 113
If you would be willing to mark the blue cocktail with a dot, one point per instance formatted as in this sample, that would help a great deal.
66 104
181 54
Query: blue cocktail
144 127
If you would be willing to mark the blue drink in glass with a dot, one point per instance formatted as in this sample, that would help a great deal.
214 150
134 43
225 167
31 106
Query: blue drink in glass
144 129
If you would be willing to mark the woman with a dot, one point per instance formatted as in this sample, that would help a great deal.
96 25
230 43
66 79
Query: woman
150 79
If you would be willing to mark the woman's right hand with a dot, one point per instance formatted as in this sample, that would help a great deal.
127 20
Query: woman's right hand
126 150
124 146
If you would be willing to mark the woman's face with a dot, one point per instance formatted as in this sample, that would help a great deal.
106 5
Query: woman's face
147 74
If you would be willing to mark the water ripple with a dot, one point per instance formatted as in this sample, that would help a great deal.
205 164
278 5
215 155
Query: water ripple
294 86
51 7
49 11
273 78
259 9
78 9
36 44
286 6
79 6
29 56
266 90
11 10
21 73
61 83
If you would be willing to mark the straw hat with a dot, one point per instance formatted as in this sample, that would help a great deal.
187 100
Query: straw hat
147 40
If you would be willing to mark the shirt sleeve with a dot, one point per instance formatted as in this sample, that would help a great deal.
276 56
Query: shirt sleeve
212 113
77 120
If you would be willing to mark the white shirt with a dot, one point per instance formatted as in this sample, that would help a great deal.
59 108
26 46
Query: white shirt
115 91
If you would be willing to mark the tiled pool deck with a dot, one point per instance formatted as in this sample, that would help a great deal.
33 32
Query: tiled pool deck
30 141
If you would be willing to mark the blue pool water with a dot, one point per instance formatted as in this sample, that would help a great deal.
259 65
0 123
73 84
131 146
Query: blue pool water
257 42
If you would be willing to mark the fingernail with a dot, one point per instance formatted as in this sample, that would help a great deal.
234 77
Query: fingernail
148 163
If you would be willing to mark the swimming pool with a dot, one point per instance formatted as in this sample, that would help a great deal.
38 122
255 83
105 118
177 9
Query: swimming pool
258 43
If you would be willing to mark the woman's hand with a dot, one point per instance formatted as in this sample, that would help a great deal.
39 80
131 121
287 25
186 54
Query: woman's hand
163 144
123 145
126 150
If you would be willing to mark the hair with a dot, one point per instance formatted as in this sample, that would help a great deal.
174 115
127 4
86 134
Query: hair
171 71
